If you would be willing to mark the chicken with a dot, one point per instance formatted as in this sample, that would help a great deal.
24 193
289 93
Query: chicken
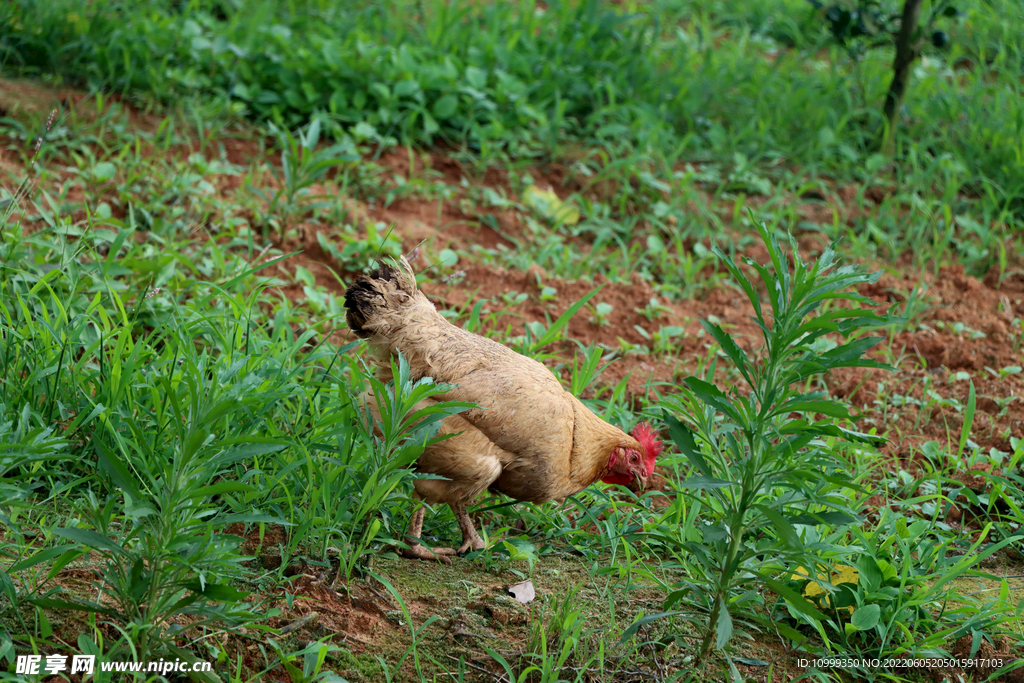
529 439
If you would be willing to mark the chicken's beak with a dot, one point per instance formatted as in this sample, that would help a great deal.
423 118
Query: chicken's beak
641 479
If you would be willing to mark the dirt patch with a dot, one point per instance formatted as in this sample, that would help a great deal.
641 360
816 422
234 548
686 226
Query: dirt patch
24 99
10 165
437 164
987 655
20 98
442 224
620 323
353 619
657 359
311 255
252 543
966 328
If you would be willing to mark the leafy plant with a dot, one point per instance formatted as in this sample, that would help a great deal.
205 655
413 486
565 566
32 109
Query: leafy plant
601 311
302 166
159 554
408 422
586 370
763 464
653 310
538 336
27 452
898 597
662 341
313 658
557 638
361 250
116 315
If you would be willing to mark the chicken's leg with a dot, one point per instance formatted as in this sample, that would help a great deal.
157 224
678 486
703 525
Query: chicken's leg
416 549
470 538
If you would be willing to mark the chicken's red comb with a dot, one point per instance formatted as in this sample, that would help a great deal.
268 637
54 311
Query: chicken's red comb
648 438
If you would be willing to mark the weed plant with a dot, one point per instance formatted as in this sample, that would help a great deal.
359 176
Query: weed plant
302 166
171 438
764 464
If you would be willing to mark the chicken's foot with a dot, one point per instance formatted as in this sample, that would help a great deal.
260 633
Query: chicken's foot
422 552
470 538
416 549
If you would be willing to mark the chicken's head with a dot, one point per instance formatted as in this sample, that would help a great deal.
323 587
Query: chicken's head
627 464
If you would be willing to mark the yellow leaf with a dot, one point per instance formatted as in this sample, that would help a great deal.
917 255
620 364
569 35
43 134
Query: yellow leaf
800 574
547 203
813 589
844 573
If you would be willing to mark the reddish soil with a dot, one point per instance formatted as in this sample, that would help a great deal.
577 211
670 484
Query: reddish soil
353 617
439 222
937 351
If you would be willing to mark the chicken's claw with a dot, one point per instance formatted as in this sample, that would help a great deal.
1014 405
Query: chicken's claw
422 552
470 538
472 544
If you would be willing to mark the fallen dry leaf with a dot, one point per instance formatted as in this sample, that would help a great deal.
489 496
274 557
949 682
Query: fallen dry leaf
523 591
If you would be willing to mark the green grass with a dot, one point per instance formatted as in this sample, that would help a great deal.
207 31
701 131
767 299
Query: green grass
170 369
754 92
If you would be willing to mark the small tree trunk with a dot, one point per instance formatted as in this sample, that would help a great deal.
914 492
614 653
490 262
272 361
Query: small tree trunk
907 52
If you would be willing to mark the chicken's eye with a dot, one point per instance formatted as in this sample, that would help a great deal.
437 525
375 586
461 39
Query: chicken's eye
633 458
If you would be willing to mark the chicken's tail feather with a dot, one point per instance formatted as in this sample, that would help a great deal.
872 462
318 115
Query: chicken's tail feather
377 293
